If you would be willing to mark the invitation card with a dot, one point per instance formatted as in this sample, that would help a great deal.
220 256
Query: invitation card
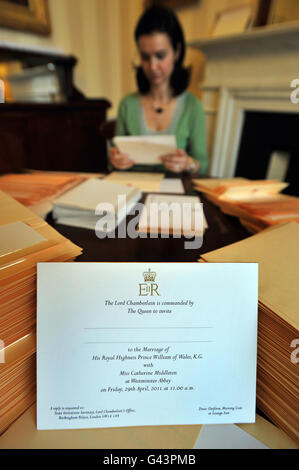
136 344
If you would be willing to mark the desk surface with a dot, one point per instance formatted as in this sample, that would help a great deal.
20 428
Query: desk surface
223 230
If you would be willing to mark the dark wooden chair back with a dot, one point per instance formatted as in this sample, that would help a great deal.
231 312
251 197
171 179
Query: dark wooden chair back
107 129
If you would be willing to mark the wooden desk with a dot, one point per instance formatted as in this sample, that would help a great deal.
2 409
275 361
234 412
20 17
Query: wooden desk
223 230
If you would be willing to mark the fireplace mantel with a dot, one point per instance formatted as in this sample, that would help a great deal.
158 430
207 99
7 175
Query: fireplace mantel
253 70
267 37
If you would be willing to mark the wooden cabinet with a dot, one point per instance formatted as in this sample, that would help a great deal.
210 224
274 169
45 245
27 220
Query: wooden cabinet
62 136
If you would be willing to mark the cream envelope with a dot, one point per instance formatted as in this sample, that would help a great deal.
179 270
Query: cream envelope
146 149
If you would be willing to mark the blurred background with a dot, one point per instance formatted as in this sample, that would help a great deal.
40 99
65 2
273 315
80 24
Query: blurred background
244 56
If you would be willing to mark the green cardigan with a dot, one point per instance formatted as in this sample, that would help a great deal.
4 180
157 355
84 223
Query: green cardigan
188 125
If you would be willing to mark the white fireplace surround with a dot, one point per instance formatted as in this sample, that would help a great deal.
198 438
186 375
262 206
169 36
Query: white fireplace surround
252 71
233 104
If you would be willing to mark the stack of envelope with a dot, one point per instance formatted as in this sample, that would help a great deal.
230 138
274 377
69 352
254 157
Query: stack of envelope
172 214
25 240
276 251
17 379
84 205
37 191
258 204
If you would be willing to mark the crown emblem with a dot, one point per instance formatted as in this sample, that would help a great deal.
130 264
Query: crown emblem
149 276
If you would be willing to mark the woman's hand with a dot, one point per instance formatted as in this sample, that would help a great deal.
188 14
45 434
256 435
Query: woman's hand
120 161
179 161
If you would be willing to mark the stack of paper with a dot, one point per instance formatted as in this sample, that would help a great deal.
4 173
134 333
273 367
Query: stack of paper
38 83
269 213
25 239
278 378
258 204
146 149
84 205
37 191
175 215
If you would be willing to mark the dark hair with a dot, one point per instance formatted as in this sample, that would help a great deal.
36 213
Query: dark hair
162 20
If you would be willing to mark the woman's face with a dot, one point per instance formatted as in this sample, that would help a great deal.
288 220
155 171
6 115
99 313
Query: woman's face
157 57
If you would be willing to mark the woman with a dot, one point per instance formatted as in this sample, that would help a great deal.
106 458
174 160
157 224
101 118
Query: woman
162 105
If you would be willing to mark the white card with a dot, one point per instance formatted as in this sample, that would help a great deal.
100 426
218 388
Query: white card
172 185
133 344
146 149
